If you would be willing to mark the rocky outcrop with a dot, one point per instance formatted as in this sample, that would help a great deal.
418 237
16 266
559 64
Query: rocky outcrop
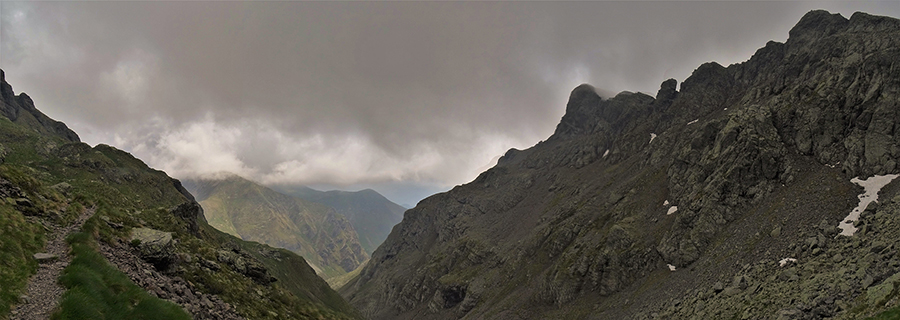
827 277
166 286
244 264
156 247
20 109
587 213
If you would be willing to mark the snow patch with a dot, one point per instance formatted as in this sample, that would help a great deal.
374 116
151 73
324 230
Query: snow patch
693 122
872 185
671 267
785 261
672 210
665 203
652 136
605 153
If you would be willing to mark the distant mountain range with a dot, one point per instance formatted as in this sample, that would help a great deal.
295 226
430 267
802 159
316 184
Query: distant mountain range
370 213
257 213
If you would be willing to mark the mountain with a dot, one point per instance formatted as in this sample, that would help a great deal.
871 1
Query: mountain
683 205
370 213
256 213
94 233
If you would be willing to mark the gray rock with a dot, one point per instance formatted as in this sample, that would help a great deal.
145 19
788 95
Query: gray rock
718 286
730 291
878 294
867 281
154 246
776 232
43 257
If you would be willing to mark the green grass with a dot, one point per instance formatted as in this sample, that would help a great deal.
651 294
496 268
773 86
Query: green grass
890 314
97 290
19 240
127 194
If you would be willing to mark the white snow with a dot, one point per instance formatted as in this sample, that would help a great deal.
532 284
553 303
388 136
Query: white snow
785 261
672 210
652 136
605 153
693 122
665 203
671 267
872 186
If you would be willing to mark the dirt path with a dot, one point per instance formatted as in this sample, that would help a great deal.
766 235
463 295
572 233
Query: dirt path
42 291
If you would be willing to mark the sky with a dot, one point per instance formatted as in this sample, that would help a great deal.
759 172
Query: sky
407 98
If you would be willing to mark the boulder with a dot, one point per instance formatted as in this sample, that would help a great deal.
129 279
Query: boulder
245 265
154 246
878 294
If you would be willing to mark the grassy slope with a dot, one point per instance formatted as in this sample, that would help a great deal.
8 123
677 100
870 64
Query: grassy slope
97 290
372 215
19 239
126 191
256 213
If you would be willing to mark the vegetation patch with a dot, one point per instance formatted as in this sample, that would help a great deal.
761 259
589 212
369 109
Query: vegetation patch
97 290
19 240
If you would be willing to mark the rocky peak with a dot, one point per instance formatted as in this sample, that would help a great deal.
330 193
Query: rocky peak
667 90
12 107
864 22
580 111
589 212
817 24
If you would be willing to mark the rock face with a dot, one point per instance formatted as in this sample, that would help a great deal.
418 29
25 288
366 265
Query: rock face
370 213
564 228
20 109
256 213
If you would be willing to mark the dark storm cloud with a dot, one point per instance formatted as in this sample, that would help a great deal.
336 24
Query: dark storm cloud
357 93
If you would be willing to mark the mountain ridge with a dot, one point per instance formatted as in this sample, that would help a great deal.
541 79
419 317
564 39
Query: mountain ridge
371 214
254 212
560 229
51 179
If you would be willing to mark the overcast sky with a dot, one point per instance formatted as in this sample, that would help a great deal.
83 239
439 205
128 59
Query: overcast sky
408 98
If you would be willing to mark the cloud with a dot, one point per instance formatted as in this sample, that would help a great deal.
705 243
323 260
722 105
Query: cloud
358 93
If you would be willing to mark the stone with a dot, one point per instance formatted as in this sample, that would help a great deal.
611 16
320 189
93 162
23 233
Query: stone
206 303
740 282
718 286
776 232
878 294
43 257
867 281
154 246
730 291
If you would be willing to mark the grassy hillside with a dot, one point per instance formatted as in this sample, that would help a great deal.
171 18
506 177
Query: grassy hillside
47 179
371 214
253 212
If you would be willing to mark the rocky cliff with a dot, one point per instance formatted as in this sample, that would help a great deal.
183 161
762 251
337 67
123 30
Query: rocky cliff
20 110
637 200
